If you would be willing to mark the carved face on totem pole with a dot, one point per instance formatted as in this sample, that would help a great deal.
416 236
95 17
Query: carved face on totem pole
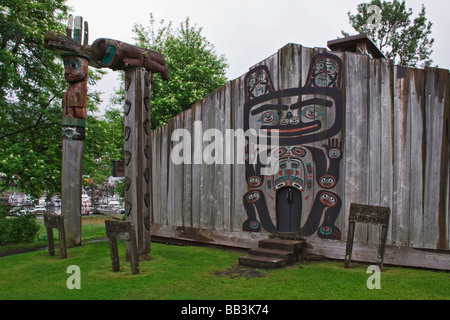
307 122
75 99
76 69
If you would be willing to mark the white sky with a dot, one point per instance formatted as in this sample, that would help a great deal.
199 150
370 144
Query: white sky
246 31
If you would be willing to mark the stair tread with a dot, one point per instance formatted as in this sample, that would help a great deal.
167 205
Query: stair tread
281 244
274 251
282 241
261 258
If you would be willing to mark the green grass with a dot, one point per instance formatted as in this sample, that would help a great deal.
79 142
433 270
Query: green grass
200 273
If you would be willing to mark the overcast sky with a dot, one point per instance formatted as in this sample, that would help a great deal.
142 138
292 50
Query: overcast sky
246 31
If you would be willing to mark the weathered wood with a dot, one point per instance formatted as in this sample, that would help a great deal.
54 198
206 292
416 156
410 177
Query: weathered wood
356 154
137 159
369 215
76 60
417 133
367 253
52 221
396 146
436 110
125 231
386 139
71 190
401 163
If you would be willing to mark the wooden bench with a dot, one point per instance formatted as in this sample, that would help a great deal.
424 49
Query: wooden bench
367 214
125 231
52 221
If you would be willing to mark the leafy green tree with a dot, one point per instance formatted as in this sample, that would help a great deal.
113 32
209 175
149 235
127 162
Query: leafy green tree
104 144
389 24
31 87
195 68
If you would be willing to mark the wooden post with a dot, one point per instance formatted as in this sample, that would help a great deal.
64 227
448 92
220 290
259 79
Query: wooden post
71 189
137 148
55 221
76 63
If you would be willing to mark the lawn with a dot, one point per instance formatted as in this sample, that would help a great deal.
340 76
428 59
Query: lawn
201 273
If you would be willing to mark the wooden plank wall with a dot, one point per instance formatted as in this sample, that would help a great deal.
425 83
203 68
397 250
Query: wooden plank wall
396 154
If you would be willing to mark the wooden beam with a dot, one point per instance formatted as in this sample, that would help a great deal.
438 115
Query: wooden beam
137 163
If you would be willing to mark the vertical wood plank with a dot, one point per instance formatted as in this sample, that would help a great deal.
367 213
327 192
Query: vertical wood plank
197 148
219 166
229 160
434 188
386 156
239 186
374 144
356 149
187 170
416 134
339 189
401 150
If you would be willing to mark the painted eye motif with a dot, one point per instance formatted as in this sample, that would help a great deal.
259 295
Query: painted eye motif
269 117
281 152
253 197
259 90
254 181
320 65
328 199
261 76
331 67
299 151
311 113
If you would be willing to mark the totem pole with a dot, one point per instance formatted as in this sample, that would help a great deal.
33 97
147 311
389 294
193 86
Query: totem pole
139 65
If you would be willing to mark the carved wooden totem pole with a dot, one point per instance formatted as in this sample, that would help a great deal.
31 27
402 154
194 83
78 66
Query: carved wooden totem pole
139 65
76 61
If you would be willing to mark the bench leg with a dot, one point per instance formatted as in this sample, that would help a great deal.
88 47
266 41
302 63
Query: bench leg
114 254
349 247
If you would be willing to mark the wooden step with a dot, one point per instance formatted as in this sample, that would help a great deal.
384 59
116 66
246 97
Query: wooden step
287 256
261 262
294 246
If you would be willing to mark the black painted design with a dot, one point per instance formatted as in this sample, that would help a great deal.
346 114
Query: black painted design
307 122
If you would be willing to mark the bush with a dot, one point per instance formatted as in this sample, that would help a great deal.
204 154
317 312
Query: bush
17 229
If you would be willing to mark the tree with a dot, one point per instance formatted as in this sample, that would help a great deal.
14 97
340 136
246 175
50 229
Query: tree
389 25
195 68
103 144
31 87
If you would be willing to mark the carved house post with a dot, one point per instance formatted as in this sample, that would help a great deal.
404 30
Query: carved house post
137 163
139 64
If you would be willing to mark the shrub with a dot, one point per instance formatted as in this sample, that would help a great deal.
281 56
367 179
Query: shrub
16 229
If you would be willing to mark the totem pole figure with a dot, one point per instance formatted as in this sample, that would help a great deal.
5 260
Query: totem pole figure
73 124
139 65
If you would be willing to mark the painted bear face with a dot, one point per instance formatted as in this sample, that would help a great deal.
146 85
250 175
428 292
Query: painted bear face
296 115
